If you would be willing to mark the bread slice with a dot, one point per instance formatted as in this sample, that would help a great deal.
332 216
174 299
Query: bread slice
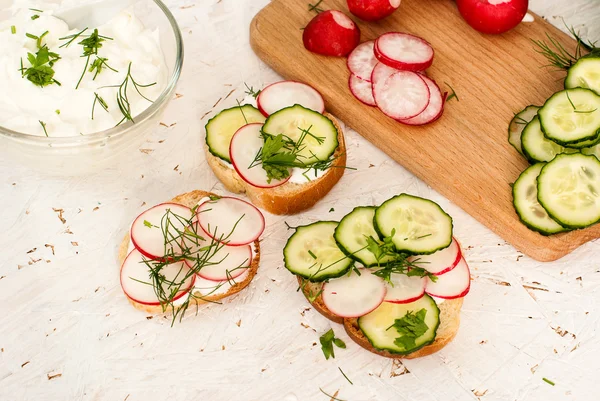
289 198
191 199
449 323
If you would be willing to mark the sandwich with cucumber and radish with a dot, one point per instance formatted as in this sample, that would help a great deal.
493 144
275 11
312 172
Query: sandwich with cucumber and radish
285 154
393 275
194 249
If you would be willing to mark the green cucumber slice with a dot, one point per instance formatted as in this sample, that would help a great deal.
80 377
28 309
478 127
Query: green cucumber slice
585 73
593 151
311 252
517 125
291 121
352 233
571 116
420 226
569 190
527 206
221 128
376 325
584 144
536 147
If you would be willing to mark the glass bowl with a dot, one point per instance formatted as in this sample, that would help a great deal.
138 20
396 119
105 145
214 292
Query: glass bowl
89 153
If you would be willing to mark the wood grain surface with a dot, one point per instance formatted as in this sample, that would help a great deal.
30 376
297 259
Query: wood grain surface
465 155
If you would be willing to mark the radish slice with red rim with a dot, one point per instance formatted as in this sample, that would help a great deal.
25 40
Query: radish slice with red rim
207 288
231 221
354 295
219 262
454 284
148 230
362 60
404 51
402 95
138 284
284 94
404 289
362 90
434 110
440 262
246 143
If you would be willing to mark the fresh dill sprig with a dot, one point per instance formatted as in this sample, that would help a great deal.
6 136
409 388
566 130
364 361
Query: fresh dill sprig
251 92
346 377
98 64
91 45
102 102
37 10
315 7
43 124
561 58
453 95
71 38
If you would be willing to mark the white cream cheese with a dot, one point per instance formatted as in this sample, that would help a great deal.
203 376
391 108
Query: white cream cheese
65 110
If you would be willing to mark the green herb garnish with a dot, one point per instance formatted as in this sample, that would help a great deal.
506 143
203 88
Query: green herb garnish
550 382
312 255
453 95
315 7
37 10
40 72
250 91
13 29
102 102
346 377
71 38
43 124
99 64
91 45
34 17
410 327
327 341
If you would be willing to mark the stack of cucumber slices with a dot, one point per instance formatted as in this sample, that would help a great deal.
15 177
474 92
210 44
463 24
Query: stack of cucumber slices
381 265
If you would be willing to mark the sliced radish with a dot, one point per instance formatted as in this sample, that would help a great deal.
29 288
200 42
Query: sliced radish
362 60
155 232
402 95
219 261
440 262
405 289
454 284
404 51
434 110
209 288
231 221
138 285
354 295
362 90
284 94
246 143
381 73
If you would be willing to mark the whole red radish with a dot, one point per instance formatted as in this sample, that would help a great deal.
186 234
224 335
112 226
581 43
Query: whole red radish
331 33
493 16
373 10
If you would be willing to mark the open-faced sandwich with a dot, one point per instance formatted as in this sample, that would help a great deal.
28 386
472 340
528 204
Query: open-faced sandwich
393 275
197 248
285 155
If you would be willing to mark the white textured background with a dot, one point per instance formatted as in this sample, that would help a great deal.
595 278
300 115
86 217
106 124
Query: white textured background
67 332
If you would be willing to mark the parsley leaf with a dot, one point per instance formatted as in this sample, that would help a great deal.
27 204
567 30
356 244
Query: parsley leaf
327 341
410 327
40 73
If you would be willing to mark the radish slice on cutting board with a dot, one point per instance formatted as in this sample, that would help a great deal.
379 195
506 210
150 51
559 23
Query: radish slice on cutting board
147 233
284 94
362 90
404 51
440 262
404 289
454 284
138 284
220 262
354 295
434 110
402 95
245 145
362 60
231 221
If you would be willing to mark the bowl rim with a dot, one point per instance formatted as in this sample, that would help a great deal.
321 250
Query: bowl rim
119 130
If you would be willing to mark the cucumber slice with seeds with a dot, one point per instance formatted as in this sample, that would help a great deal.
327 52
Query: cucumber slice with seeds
569 190
527 206
571 116
311 252
536 147
221 128
585 73
593 151
420 226
518 124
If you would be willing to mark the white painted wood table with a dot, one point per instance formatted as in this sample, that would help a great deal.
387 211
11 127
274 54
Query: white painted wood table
68 333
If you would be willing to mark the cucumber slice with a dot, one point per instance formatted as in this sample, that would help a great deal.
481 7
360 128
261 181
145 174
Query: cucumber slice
584 144
313 254
319 145
593 151
585 73
352 233
420 226
571 116
517 125
375 325
536 147
527 206
221 128
569 190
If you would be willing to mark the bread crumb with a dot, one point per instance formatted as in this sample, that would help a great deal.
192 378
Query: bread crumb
239 323
50 377
60 215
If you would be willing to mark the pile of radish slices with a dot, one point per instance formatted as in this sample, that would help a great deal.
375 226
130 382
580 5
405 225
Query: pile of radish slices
389 73
176 251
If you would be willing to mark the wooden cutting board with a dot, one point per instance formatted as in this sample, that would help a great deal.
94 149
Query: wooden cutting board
465 155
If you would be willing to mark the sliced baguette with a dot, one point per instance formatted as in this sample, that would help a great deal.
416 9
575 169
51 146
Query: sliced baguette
449 323
289 198
191 199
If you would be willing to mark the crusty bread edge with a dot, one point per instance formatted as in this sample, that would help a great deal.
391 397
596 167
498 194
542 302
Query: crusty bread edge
288 198
190 199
